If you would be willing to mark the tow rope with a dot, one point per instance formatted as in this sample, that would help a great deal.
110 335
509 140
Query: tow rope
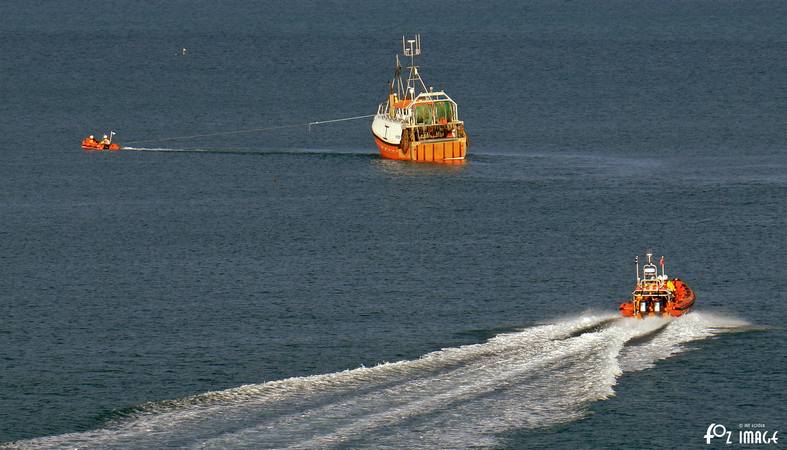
249 130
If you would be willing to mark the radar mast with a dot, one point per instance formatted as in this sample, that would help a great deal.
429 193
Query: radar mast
412 48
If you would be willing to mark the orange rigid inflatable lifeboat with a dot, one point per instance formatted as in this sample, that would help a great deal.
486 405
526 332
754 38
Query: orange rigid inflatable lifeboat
91 143
657 295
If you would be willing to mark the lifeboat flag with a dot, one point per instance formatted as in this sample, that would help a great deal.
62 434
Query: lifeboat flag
661 261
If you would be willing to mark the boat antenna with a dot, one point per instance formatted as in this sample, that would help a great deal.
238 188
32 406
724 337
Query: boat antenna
636 262
412 48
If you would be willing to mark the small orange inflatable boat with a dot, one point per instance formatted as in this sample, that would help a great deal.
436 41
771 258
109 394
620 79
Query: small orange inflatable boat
657 295
91 143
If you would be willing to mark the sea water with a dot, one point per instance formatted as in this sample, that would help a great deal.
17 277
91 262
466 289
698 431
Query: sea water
290 288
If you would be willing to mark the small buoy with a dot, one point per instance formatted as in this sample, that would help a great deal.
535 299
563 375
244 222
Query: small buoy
184 51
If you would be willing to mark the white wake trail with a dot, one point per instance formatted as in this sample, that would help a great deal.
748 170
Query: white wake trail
455 397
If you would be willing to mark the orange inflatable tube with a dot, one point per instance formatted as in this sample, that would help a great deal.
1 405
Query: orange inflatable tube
92 144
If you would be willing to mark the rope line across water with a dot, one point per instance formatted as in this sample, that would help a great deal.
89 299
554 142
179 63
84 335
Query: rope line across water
249 130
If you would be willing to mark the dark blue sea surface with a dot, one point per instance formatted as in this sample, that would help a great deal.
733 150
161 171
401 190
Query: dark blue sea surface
290 288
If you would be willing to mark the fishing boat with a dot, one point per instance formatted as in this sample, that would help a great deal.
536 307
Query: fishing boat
415 123
91 143
657 295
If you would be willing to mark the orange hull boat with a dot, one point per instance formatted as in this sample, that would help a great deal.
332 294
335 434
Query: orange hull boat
88 144
415 123
656 295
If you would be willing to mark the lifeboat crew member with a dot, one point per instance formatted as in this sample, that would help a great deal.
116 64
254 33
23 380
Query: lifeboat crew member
91 138
105 140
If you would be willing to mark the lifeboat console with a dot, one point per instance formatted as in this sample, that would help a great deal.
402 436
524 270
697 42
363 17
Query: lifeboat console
657 295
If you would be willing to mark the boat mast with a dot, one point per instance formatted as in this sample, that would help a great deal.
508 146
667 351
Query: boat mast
412 48
399 88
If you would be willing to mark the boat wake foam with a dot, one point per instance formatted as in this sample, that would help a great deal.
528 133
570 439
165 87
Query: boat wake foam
456 397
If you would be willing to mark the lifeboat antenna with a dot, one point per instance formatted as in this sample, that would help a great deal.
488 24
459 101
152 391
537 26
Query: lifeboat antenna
412 48
636 262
